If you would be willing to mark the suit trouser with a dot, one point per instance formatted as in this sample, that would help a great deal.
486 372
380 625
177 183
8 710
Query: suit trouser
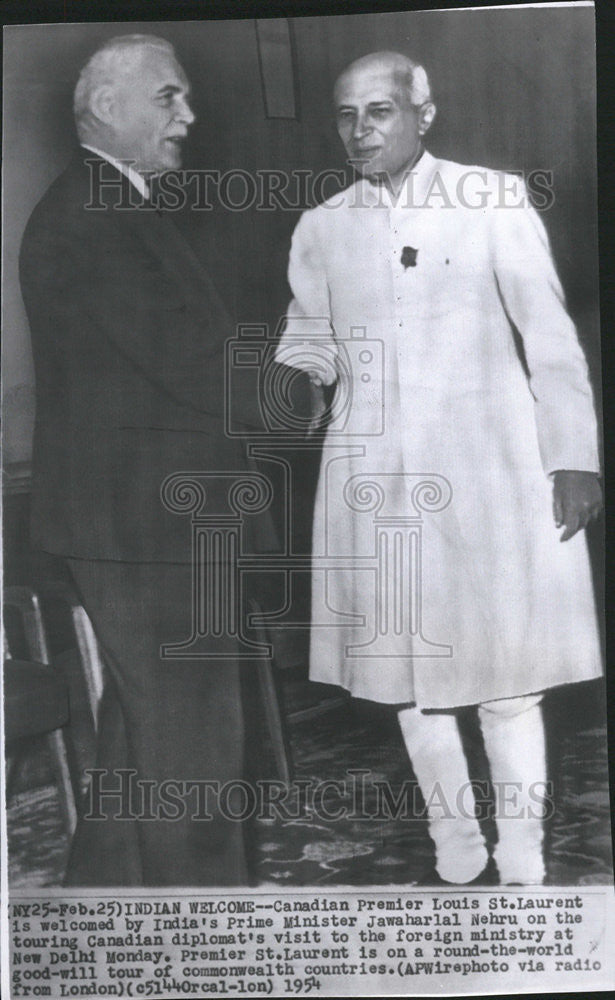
169 720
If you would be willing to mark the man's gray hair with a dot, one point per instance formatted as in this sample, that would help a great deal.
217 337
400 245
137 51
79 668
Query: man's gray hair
416 82
409 75
117 58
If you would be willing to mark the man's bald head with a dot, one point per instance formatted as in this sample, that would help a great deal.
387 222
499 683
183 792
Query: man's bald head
409 77
383 108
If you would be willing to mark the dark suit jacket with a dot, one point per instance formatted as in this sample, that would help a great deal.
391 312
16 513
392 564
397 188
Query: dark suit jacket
128 337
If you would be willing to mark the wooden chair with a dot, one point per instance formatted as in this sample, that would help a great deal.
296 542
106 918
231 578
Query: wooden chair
35 698
56 595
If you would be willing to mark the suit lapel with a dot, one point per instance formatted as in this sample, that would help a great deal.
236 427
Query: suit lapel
156 231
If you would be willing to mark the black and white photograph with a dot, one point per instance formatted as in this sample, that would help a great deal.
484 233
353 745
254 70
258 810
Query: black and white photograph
303 506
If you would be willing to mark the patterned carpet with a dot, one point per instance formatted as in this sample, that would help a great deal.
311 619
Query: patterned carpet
364 846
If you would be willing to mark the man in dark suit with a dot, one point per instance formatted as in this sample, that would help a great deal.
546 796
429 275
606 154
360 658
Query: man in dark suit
128 337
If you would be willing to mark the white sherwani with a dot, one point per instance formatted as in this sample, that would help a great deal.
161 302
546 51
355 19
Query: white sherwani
461 592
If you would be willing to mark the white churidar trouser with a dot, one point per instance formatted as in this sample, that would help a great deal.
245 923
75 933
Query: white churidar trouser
513 734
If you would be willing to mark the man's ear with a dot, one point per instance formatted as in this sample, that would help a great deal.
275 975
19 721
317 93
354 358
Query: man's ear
426 116
102 104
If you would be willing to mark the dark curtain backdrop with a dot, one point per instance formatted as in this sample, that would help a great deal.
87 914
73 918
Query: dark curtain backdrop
515 89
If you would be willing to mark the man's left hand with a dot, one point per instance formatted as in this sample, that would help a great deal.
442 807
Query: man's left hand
577 499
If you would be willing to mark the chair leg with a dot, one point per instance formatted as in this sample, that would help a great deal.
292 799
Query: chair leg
61 595
64 777
89 652
26 602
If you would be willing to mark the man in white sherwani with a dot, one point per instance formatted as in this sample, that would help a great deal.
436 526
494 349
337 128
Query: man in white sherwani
480 388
